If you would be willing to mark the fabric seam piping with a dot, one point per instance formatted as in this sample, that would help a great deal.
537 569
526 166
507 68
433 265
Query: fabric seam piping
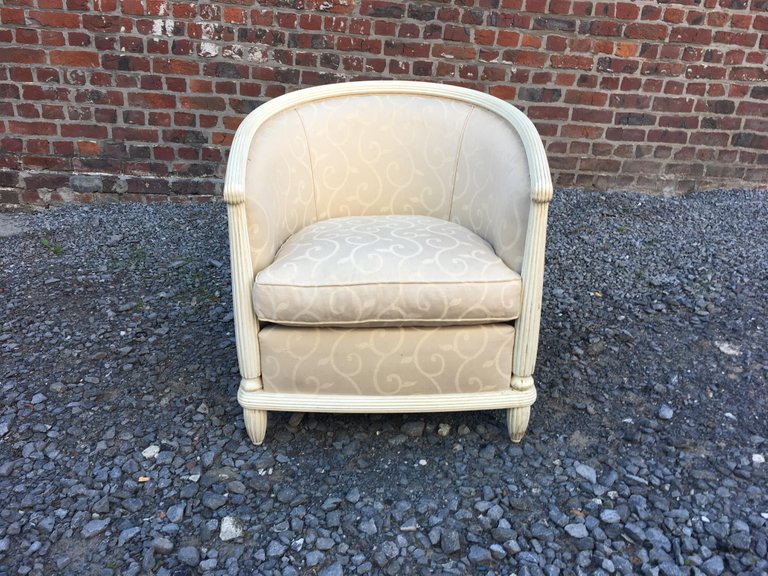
456 164
311 162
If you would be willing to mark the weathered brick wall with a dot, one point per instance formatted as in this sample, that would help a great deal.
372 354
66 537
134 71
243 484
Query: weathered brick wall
142 97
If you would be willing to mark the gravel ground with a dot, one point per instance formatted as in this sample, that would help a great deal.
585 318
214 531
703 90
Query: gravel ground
122 449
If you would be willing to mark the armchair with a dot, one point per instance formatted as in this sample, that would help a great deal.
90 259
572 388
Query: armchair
387 244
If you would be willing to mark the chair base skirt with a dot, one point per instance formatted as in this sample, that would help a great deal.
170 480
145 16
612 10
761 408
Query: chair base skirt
256 402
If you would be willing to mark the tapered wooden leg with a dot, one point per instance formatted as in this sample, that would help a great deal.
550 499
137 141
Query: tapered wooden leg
255 424
517 422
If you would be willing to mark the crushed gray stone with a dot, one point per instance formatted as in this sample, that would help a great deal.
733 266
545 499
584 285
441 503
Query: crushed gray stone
116 338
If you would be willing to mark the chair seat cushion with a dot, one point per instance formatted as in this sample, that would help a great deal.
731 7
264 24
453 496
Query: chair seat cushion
394 270
387 361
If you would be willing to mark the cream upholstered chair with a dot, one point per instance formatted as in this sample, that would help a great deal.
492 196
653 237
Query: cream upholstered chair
387 243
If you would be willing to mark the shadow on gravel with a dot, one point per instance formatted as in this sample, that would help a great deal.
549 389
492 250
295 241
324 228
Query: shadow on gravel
122 449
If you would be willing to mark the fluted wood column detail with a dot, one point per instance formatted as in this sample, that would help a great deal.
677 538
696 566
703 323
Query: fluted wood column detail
246 323
528 323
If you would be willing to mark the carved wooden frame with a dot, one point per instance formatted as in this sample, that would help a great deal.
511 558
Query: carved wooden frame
521 394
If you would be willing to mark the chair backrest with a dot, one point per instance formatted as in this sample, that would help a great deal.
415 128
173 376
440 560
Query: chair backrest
385 151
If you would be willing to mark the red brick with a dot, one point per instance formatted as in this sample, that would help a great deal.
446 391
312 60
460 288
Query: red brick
448 14
125 62
717 19
354 44
337 24
750 140
382 9
34 128
38 146
13 16
602 28
452 51
658 68
674 15
677 121
582 8
27 110
150 101
539 6
672 104
456 33
55 19
525 58
236 15
175 66
528 40
650 12
22 56
583 131
504 92
94 131
101 23
625 134
630 101
703 71
637 31
186 11
76 58
548 112
52 112
202 103
588 98
592 115
134 134
556 43
690 35
748 40
667 136
36 92
559 6
747 74
627 11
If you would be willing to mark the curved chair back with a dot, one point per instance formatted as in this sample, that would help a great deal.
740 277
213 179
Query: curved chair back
372 148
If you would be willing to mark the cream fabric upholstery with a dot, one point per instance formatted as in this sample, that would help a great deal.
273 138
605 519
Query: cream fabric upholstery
386 270
388 154
387 361
491 191
282 201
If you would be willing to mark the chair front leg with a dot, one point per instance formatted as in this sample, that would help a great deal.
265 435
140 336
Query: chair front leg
517 422
255 424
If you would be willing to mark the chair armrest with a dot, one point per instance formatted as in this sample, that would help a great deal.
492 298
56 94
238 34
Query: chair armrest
246 322
528 323
269 194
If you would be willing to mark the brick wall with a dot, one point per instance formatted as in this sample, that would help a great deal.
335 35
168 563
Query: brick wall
141 97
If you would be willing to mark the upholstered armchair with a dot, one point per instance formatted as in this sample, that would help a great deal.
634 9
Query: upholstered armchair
387 244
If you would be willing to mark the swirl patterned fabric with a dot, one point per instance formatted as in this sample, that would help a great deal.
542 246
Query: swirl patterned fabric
280 198
492 189
387 361
386 270
387 154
